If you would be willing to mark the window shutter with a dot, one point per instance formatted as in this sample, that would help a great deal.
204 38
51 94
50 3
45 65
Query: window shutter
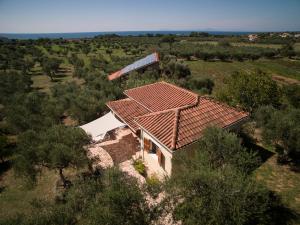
158 153
146 144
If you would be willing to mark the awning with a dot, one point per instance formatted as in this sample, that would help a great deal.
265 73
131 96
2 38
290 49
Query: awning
99 127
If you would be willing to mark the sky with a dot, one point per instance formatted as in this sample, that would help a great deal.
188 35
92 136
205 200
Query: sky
57 16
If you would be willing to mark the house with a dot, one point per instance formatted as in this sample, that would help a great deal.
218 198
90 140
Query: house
297 35
167 118
252 37
285 35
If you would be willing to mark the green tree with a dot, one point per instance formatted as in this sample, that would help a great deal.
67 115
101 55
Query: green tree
292 93
56 148
225 148
211 184
280 128
111 198
28 64
170 39
120 202
32 111
251 90
287 50
51 66
109 51
11 84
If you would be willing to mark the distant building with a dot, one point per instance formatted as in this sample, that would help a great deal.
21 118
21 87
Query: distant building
285 35
297 35
252 37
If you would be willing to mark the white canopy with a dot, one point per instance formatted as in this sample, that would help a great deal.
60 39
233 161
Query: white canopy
99 127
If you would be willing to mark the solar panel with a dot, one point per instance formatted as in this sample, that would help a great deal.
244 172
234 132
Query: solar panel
148 60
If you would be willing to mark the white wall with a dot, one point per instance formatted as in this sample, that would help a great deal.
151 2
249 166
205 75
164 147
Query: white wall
152 160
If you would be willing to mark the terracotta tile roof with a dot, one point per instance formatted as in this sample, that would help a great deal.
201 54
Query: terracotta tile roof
127 109
161 96
178 127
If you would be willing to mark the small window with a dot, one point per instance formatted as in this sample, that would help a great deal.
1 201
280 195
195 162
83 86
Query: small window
153 148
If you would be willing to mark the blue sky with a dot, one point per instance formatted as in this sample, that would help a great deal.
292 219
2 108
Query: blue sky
42 16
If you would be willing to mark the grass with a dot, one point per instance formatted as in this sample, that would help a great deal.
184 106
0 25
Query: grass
16 196
243 44
220 70
297 47
283 181
43 82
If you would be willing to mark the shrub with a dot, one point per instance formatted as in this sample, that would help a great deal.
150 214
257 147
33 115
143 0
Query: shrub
153 186
140 167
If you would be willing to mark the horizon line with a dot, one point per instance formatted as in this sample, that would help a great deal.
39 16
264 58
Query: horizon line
160 30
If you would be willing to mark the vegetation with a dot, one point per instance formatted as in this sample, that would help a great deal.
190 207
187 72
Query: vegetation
57 148
251 91
139 167
280 128
46 83
109 198
214 187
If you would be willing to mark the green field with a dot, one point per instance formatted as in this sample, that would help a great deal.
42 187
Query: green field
220 70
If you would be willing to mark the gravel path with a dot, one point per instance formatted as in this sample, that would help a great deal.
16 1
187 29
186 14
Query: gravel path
99 157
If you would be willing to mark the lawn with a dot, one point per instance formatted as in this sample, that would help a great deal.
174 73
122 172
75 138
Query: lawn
283 181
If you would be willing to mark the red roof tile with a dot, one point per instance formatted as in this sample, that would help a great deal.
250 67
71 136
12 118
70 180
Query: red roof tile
115 75
161 96
127 109
176 128
174 116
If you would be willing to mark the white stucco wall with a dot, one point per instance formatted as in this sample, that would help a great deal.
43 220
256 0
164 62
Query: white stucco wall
152 160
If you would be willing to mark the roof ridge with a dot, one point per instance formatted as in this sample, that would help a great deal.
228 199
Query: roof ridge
179 109
156 113
175 129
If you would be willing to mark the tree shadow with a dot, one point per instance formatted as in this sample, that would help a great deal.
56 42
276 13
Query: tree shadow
5 166
251 145
279 214
36 73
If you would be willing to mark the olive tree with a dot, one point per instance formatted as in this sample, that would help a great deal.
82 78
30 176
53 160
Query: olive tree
56 148
250 90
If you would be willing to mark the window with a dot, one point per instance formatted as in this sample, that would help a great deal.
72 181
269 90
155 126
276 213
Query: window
162 160
146 145
153 148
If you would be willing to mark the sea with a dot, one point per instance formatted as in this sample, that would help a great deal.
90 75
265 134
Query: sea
120 33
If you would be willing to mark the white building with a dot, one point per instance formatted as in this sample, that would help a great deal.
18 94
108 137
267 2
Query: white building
167 118
252 37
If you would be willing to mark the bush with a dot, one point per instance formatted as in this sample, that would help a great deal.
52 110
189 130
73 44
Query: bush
153 186
140 167
251 91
